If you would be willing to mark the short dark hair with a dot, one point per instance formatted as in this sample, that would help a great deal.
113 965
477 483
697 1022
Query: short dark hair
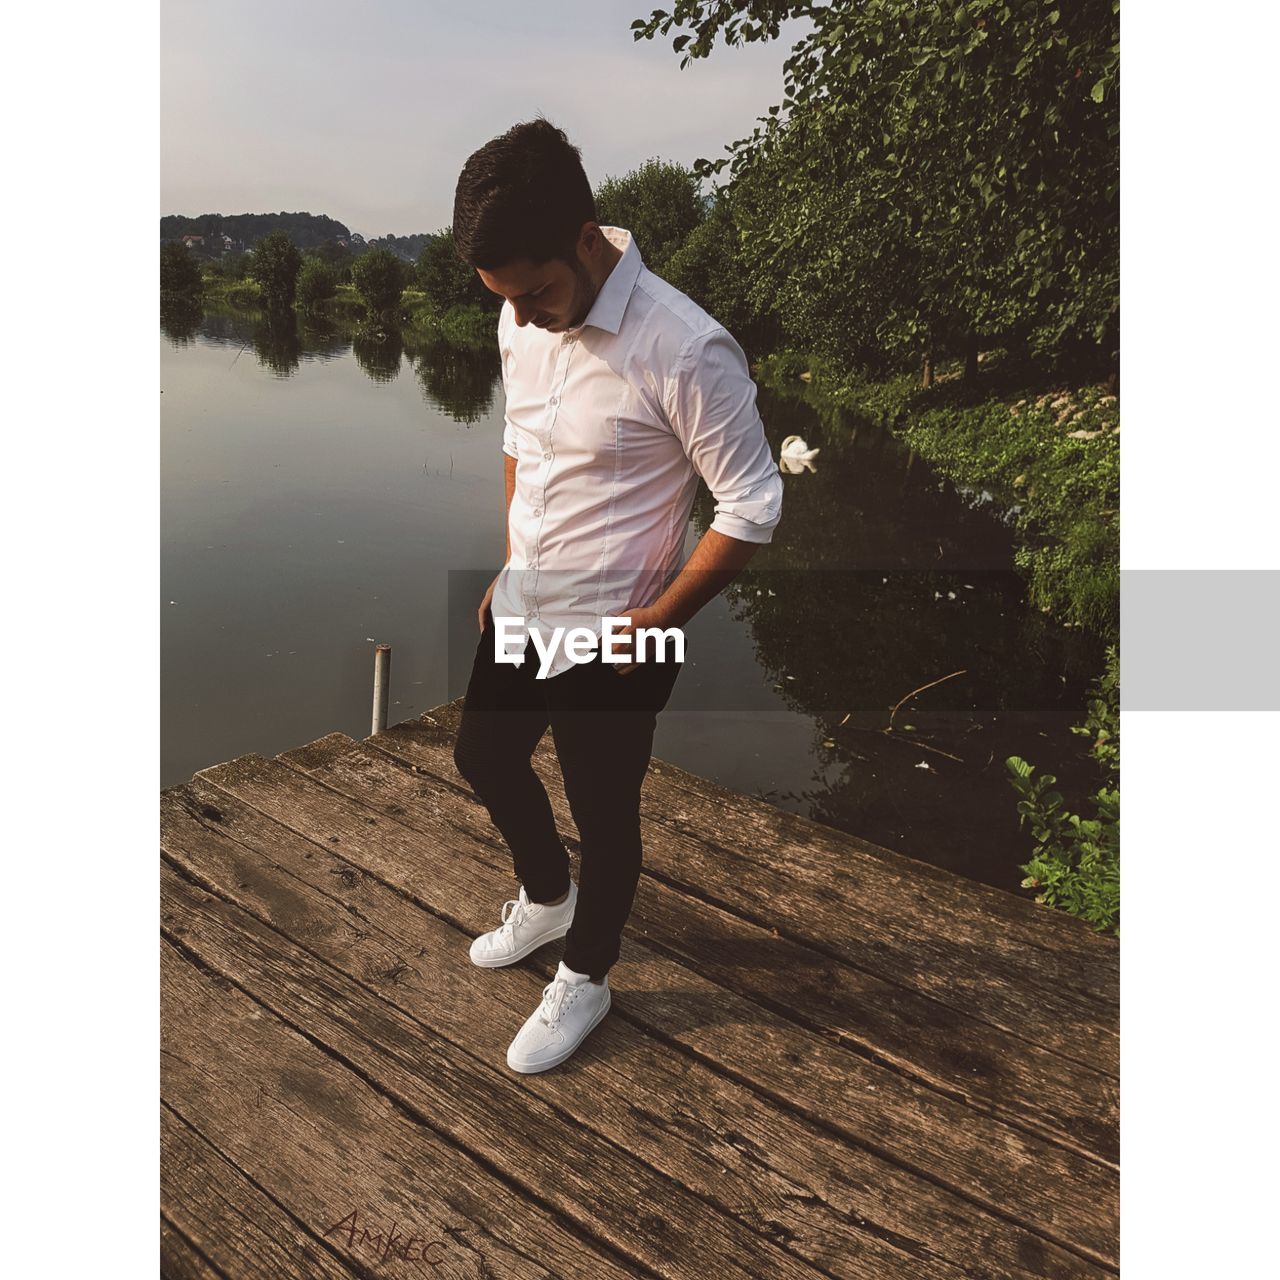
524 194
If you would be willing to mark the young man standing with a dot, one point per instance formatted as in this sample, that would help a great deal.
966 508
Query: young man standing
620 393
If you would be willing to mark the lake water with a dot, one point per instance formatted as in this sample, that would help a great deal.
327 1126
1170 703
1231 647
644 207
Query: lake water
320 496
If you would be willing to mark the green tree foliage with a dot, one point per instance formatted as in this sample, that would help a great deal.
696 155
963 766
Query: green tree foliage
379 277
706 267
230 266
1076 863
317 283
179 272
275 266
448 281
932 171
658 203
335 255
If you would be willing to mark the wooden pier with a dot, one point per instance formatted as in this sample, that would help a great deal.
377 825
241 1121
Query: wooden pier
823 1059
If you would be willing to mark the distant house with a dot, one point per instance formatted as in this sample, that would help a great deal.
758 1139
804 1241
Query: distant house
193 241
227 243
357 238
342 242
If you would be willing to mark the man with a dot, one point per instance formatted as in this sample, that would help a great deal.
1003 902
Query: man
620 393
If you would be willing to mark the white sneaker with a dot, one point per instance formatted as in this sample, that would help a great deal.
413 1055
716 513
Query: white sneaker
525 927
571 1005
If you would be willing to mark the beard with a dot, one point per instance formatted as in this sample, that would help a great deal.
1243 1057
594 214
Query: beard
584 294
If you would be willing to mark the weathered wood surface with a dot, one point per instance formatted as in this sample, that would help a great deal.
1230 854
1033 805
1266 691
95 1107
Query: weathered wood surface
823 1059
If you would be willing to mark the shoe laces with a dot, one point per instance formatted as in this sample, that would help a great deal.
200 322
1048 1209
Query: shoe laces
514 912
555 995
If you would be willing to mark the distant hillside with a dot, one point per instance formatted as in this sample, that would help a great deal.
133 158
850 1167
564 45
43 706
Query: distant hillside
306 230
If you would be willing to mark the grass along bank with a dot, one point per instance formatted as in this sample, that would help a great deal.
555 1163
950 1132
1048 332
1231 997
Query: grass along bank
1046 454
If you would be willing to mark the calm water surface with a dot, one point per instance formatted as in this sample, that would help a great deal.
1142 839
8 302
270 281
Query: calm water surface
321 495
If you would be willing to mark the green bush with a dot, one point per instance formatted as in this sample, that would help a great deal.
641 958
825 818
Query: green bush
658 203
179 271
317 283
465 326
275 264
1076 862
380 278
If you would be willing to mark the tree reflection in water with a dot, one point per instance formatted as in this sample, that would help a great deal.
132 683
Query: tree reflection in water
377 349
276 342
457 380
460 381
180 319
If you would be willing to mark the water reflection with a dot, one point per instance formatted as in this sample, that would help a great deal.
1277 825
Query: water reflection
378 351
180 319
321 338
883 579
458 381
276 342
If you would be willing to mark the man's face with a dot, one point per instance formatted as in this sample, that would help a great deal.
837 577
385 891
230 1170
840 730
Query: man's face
553 296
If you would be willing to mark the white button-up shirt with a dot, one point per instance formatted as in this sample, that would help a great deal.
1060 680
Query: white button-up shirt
611 425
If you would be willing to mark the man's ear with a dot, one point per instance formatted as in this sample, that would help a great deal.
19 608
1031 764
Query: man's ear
589 238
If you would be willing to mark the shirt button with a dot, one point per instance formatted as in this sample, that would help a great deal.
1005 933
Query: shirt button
555 400
537 511
547 456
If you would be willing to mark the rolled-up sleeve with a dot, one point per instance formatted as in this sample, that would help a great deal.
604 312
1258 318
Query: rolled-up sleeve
711 405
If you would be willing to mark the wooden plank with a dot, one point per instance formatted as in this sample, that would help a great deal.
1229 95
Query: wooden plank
1022 1177
1056 985
829 1201
815 842
234 1224
596 1184
1000 1073
317 1137
179 1259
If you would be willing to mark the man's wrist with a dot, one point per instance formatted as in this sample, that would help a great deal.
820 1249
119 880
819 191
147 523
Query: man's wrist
667 614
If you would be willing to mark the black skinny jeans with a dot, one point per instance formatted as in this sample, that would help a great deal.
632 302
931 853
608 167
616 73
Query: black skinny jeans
602 723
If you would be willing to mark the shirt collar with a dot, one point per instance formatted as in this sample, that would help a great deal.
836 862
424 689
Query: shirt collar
606 311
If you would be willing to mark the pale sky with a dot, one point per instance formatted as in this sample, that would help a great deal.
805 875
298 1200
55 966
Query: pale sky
367 112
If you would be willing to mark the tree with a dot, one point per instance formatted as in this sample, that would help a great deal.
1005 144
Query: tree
179 271
965 158
658 203
446 279
708 268
337 256
379 277
233 265
275 266
317 282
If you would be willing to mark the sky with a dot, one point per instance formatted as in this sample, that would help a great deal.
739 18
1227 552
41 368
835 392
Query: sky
367 112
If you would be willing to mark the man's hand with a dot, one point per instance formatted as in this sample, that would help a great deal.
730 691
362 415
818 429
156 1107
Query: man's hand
715 562
652 616
484 604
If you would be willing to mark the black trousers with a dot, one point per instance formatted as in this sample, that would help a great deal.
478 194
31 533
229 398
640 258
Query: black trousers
602 723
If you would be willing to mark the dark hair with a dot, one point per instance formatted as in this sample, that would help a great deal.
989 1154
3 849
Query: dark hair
524 194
